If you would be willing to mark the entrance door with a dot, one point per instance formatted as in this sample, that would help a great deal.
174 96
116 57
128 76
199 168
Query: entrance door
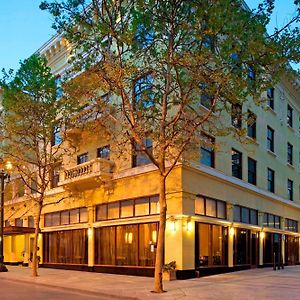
277 248
254 250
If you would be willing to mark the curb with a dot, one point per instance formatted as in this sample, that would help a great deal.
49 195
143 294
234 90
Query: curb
75 290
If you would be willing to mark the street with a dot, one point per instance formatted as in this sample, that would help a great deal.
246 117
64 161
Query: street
23 291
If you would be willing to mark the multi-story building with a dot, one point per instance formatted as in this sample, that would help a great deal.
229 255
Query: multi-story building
238 207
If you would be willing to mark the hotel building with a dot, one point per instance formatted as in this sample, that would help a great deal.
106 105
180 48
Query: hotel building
237 208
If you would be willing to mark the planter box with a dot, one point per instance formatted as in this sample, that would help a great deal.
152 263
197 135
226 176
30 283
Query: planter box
169 275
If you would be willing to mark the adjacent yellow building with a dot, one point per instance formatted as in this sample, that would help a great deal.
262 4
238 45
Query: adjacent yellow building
237 207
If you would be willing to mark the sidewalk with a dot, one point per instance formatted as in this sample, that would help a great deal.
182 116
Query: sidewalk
247 285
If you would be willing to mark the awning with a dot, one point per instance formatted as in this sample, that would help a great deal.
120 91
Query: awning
14 230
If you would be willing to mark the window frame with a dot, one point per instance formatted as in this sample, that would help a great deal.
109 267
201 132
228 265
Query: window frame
270 139
239 166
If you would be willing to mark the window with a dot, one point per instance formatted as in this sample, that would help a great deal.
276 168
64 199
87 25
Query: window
139 158
251 171
66 217
55 176
291 225
251 125
56 139
143 206
290 153
236 115
19 222
82 158
290 116
211 246
236 158
33 184
144 36
143 93
104 152
126 245
66 247
271 180
59 90
207 151
209 207
290 189
270 139
31 222
245 215
270 96
251 73
272 221
205 97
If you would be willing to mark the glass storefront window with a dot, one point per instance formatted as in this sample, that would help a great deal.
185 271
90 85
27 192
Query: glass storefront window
83 214
65 247
199 206
242 246
74 216
101 212
221 210
126 209
211 209
211 241
141 207
113 210
126 245
154 205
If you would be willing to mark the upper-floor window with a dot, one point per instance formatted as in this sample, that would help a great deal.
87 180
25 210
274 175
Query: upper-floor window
143 93
56 139
245 215
251 171
104 152
82 158
270 96
236 115
209 207
290 189
251 73
59 90
270 139
271 180
55 175
290 116
31 221
290 153
271 220
236 159
19 222
251 125
207 151
139 158
144 36
205 98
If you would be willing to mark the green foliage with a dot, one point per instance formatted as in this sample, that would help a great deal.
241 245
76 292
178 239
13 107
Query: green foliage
183 45
30 114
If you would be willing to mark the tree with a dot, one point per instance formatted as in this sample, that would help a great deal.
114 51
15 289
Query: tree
162 61
31 115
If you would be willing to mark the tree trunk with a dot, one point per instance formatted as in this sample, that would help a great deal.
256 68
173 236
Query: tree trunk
159 261
35 241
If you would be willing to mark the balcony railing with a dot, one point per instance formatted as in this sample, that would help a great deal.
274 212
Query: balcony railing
89 173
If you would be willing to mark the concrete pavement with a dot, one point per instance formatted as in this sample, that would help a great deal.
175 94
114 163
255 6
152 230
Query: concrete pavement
255 284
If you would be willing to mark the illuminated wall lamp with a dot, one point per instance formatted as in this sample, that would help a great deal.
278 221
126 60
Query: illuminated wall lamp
262 235
189 226
173 225
231 231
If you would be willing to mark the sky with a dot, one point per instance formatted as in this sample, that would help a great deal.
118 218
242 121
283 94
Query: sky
24 28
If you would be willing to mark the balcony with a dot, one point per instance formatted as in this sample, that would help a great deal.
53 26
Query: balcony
87 175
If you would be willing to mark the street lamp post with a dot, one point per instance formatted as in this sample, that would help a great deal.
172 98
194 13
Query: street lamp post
3 176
